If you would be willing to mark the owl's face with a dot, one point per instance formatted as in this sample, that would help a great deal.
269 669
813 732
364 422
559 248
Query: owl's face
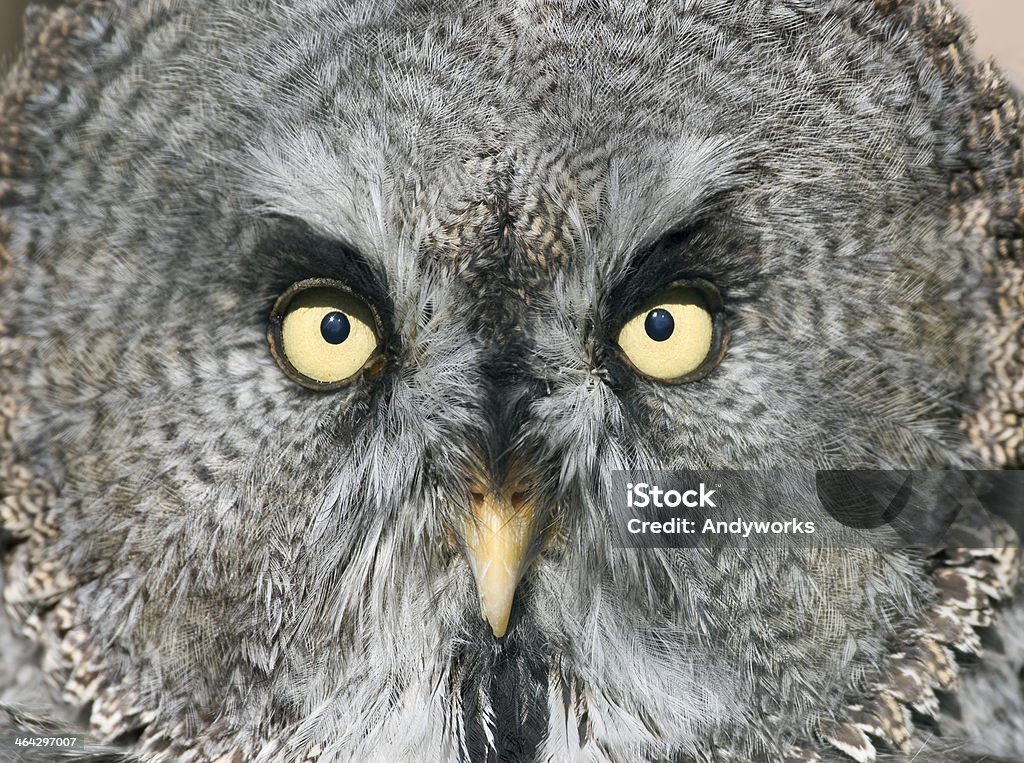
343 323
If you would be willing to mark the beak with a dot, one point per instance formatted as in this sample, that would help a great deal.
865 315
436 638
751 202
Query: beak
497 538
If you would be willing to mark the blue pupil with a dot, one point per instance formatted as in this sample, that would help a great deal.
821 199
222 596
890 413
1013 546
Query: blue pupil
335 328
659 325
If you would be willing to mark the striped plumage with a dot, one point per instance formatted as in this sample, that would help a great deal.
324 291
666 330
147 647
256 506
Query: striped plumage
220 566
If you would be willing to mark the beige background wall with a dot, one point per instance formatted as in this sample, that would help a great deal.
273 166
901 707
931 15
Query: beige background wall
10 26
999 24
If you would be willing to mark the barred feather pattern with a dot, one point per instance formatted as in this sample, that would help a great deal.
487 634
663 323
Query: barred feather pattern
969 584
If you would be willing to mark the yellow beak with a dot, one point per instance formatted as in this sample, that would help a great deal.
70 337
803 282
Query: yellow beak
497 539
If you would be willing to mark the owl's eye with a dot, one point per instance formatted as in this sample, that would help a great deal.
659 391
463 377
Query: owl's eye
321 334
677 335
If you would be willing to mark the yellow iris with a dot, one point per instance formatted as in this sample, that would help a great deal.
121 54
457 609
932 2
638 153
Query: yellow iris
328 334
671 335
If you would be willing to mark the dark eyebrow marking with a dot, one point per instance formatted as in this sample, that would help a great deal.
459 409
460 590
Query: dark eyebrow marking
713 247
293 251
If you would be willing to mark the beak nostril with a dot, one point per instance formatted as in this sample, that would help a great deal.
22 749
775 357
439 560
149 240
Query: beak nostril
518 500
478 498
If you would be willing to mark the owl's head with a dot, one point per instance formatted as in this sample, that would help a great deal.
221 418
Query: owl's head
339 319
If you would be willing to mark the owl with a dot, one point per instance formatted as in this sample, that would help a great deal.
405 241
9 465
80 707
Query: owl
327 325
